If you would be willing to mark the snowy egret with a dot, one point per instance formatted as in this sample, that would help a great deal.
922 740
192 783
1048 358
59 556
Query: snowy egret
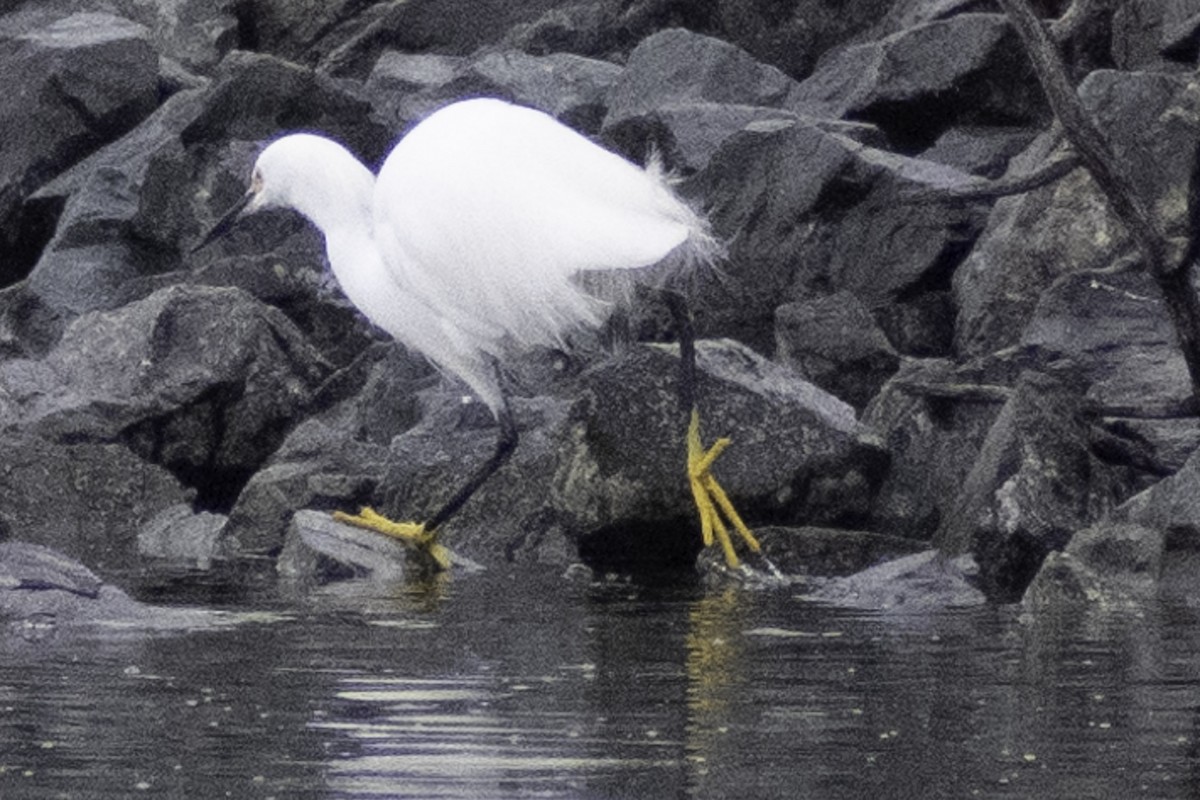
474 239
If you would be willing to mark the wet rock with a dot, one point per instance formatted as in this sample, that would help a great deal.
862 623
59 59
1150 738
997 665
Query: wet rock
827 552
85 500
1034 483
924 581
182 536
932 418
836 222
1108 565
834 342
317 466
42 591
917 83
85 79
321 550
203 381
1034 239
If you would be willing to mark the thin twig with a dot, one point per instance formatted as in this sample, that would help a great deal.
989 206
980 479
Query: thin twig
1085 137
1173 279
1049 172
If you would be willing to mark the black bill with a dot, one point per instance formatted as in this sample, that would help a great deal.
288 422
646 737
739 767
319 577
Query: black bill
225 222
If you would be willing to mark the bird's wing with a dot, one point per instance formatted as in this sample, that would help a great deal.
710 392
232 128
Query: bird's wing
486 210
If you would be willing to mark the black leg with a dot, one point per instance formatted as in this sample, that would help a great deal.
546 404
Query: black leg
505 445
687 349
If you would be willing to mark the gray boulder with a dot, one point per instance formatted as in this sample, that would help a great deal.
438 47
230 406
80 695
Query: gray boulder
202 381
1105 566
920 81
932 417
684 94
573 89
918 583
43 593
834 342
86 500
807 212
1034 483
1032 240
85 79
182 537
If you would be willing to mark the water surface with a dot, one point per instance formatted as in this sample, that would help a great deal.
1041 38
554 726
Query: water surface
530 685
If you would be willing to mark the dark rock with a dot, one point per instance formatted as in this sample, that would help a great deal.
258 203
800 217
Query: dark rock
182 536
833 342
932 420
1171 505
1181 30
317 466
123 215
1108 565
683 94
789 35
203 381
568 87
1157 446
921 582
966 70
1034 483
984 151
255 97
1138 34
345 38
85 79
85 500
794 35
677 66
1034 239
827 552
835 221
42 592
1114 329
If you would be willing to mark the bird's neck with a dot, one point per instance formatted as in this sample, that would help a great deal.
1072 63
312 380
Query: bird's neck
341 204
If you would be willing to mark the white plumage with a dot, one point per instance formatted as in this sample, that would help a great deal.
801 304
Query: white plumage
477 230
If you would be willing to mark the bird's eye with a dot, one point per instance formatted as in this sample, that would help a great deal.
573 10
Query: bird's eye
256 180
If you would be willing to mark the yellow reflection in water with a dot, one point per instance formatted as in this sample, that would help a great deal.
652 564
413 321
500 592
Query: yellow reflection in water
714 664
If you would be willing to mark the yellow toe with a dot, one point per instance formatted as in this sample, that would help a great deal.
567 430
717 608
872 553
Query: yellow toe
717 513
411 534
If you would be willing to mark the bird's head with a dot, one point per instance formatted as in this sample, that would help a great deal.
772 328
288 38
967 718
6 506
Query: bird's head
300 171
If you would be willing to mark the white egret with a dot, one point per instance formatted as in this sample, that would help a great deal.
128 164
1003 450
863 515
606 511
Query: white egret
474 239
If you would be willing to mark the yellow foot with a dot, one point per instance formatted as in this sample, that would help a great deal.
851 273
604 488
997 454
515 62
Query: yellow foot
412 534
714 505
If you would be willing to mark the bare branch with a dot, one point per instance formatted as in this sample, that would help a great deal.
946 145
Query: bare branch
1049 172
1087 140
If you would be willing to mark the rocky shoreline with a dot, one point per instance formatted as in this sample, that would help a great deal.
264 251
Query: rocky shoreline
986 378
